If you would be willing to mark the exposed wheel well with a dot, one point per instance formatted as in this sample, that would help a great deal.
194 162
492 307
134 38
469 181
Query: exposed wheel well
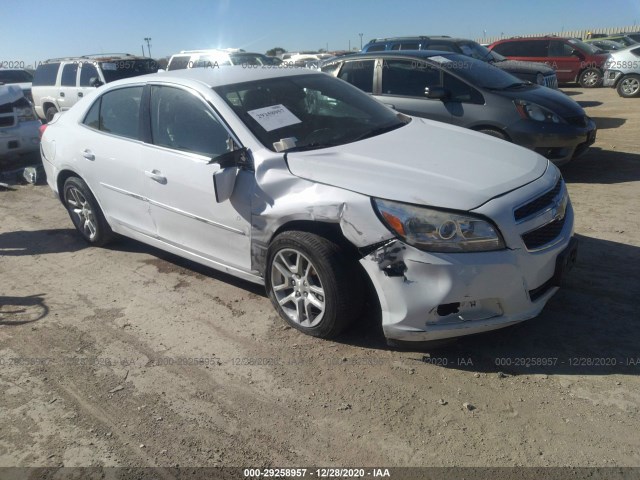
62 177
330 231
477 128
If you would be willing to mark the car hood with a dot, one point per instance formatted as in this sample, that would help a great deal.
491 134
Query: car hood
425 163
516 66
10 93
554 100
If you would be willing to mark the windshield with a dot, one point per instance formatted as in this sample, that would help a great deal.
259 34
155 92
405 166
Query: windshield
476 72
308 111
118 69
15 76
477 51
585 47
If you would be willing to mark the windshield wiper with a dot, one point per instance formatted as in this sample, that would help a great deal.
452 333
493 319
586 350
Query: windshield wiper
513 85
378 131
309 146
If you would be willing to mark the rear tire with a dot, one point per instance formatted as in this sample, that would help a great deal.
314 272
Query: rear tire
50 113
629 86
85 212
312 283
590 78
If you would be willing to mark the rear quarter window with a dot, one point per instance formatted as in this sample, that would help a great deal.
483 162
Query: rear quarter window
46 74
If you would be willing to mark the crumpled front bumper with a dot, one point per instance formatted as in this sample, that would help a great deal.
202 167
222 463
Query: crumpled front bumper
431 296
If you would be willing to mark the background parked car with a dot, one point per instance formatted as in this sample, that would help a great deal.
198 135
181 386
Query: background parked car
216 57
633 35
623 72
573 60
463 91
606 45
18 123
61 82
625 40
532 72
19 77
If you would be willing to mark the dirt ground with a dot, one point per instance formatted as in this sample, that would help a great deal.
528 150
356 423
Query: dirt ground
128 356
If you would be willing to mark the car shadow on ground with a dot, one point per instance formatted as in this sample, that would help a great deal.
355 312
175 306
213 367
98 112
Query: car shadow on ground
571 93
21 310
40 242
603 167
588 103
604 123
578 333
166 262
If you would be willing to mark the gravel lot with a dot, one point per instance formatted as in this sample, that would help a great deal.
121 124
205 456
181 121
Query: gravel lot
128 356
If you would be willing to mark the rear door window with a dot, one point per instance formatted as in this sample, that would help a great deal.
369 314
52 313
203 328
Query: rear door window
408 77
359 73
46 74
69 72
117 112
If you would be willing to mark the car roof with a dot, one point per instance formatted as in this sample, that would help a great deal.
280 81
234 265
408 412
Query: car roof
218 76
409 53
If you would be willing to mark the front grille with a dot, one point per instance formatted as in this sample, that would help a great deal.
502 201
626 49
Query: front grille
579 121
544 235
7 119
538 204
551 81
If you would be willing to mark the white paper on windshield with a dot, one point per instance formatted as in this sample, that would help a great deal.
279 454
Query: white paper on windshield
439 59
274 117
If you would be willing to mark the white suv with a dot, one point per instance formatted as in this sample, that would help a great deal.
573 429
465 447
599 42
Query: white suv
60 82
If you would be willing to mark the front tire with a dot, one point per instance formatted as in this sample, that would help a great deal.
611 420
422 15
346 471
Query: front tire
590 78
85 212
629 86
494 133
312 283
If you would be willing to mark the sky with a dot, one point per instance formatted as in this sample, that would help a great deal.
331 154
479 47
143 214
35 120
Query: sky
34 30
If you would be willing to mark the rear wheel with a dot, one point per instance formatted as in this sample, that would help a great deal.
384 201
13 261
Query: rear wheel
85 212
312 283
629 86
590 78
49 114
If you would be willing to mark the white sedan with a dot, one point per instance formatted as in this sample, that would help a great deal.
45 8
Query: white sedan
301 182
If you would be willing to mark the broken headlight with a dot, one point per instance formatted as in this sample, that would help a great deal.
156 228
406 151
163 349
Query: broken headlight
438 230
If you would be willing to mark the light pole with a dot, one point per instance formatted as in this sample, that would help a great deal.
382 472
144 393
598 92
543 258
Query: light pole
148 40
361 40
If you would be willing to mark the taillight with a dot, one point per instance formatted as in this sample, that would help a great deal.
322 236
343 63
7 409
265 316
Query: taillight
41 130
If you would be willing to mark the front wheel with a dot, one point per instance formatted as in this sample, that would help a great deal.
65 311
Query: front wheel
629 86
493 133
312 283
590 78
85 212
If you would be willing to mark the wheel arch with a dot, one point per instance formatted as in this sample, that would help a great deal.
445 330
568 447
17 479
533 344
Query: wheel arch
488 126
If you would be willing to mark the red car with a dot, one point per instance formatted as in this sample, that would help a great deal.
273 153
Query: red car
573 60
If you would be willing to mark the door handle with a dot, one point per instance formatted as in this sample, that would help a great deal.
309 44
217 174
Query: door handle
62 94
88 154
80 94
156 175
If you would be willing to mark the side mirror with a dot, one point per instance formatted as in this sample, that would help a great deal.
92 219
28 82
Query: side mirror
435 93
224 180
95 82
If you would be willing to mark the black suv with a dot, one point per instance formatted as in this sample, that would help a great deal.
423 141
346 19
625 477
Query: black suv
529 71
